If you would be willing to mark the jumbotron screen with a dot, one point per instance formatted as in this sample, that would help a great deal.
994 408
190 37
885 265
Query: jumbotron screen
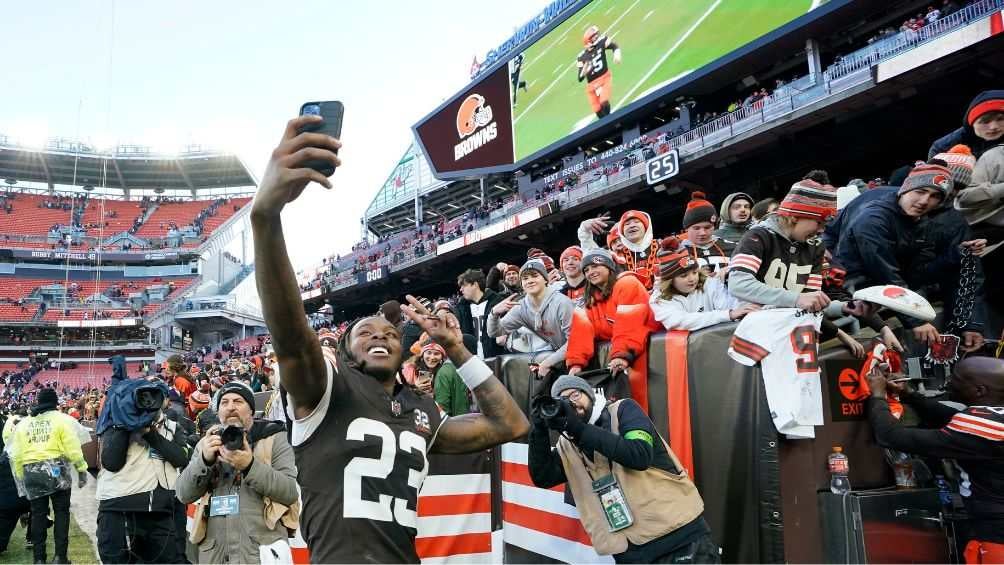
605 56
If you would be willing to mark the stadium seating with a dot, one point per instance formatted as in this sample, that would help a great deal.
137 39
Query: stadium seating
224 213
84 375
15 313
181 213
14 288
125 212
29 217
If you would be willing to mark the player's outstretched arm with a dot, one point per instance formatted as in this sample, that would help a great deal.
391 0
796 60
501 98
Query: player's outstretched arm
296 345
500 419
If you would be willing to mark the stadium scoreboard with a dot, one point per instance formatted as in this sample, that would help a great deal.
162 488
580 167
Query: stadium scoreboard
590 65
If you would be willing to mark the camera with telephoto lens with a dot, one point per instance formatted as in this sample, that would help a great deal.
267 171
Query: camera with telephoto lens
232 437
149 399
548 407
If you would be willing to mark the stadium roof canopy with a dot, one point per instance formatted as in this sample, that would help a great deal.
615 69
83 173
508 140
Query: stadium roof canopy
127 167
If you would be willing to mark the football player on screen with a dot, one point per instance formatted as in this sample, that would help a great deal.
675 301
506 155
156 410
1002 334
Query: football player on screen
514 76
594 69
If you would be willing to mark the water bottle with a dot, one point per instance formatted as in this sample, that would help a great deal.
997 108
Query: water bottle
839 467
944 492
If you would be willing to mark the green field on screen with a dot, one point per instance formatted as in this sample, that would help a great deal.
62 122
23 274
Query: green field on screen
660 41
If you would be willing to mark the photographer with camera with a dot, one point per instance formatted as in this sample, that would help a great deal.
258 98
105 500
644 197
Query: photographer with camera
141 453
45 449
634 498
242 477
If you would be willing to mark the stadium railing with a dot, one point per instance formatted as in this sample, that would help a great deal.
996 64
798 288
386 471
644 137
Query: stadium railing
906 40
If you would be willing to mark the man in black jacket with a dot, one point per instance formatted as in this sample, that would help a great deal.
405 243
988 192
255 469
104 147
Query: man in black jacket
974 437
880 245
473 311
630 454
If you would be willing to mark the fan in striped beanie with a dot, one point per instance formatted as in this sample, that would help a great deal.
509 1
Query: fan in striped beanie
960 161
809 199
538 254
928 176
673 259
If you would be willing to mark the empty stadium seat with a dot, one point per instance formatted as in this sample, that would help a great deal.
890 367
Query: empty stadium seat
28 218
125 211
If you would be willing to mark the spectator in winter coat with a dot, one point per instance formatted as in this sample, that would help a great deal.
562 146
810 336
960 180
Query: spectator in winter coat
880 246
616 309
709 250
503 278
983 207
687 299
431 372
982 126
779 262
982 204
543 311
637 250
574 284
736 216
473 309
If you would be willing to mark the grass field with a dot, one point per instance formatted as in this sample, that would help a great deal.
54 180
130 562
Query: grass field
660 41
80 551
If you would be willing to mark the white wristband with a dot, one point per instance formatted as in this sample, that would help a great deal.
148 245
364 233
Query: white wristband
474 372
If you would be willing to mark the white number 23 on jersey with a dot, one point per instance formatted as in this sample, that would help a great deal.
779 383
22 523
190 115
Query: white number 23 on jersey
386 508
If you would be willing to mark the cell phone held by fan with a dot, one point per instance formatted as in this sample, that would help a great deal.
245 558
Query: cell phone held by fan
332 112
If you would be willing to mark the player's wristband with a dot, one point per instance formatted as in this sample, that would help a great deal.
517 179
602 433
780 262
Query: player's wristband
474 372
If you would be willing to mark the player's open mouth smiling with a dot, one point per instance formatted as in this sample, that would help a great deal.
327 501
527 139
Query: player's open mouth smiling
378 351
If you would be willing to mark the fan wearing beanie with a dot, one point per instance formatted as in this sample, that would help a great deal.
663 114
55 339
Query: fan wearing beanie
982 126
668 524
573 283
432 373
616 309
630 240
709 250
687 299
779 262
541 318
878 246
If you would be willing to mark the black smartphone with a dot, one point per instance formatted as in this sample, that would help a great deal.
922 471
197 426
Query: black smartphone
332 112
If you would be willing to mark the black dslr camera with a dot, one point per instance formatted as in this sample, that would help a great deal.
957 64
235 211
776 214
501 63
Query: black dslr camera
232 437
547 406
149 399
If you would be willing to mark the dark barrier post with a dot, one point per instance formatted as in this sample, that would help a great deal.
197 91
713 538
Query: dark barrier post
804 470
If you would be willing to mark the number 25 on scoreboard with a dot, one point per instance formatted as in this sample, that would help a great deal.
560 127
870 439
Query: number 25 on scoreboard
662 167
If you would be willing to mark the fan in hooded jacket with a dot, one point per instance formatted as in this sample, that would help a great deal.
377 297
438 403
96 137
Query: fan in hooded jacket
630 240
735 216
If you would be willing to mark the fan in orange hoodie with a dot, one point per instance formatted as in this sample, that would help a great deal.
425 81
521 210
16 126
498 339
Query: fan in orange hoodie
616 310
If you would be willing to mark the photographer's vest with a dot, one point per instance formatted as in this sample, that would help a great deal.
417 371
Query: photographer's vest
144 469
275 512
660 501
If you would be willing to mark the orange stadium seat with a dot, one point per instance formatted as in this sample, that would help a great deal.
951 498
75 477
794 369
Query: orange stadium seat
224 213
125 212
181 213
28 218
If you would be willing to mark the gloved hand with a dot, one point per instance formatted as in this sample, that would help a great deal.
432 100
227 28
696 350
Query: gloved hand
81 479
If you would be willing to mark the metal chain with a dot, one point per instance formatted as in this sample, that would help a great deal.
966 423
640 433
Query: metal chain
966 296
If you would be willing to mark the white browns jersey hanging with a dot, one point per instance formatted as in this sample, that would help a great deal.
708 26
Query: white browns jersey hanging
784 342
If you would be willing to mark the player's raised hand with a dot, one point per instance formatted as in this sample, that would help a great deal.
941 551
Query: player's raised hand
442 328
286 177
